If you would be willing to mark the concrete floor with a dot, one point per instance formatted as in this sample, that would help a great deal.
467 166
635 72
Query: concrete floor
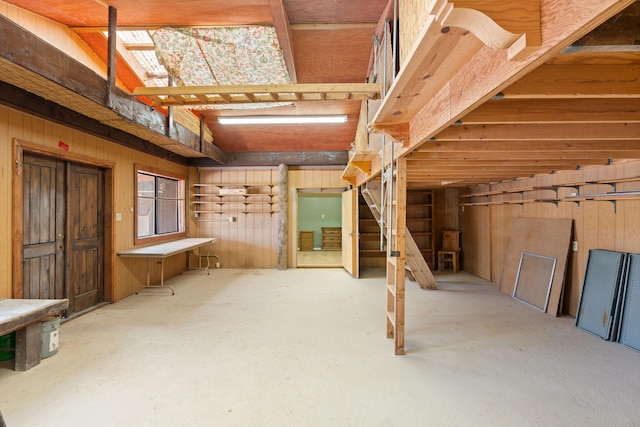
307 347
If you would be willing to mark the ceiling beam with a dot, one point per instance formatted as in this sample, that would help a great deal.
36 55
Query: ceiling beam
283 31
578 81
275 158
552 132
596 110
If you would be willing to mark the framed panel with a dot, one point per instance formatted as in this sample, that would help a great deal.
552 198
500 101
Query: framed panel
534 278
630 321
600 290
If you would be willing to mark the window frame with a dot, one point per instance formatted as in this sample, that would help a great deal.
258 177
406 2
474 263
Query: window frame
182 182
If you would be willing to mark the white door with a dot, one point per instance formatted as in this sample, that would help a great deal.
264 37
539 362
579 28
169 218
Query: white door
350 259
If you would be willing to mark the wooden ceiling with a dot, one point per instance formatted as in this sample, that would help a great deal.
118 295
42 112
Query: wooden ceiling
579 108
330 42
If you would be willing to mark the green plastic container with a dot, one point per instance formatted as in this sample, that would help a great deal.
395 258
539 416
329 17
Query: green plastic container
7 346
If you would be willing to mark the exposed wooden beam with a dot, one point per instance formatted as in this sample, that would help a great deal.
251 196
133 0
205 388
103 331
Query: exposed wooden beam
112 53
283 32
70 84
480 146
552 132
531 156
596 110
578 81
486 72
275 158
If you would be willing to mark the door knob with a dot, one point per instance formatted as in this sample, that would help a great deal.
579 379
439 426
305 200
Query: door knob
60 236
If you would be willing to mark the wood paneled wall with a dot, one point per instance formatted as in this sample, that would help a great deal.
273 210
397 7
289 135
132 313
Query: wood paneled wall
596 224
251 240
57 35
130 273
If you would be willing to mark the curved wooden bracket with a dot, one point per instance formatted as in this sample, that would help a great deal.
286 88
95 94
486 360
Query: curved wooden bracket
482 26
500 24
398 131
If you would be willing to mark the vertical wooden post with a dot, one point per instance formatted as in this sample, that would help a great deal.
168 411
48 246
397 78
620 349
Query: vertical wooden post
283 174
396 258
112 42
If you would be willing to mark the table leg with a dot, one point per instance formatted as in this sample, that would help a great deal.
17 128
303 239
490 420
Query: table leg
28 347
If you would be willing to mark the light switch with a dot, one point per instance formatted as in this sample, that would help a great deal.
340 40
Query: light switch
118 216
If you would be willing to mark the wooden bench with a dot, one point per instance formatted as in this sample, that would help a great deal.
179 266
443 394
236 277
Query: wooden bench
25 316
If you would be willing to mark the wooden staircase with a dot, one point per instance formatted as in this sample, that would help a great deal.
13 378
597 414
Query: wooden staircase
415 262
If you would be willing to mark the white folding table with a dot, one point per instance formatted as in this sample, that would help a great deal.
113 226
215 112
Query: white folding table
165 250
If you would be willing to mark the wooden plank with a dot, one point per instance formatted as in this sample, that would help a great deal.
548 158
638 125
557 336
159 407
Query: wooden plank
18 313
542 236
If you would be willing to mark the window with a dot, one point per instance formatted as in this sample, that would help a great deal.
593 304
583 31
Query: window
160 205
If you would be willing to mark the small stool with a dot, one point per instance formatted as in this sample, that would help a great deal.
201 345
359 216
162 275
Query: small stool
450 252
452 257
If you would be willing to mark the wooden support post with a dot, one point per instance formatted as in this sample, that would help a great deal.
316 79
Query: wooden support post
112 53
283 173
396 259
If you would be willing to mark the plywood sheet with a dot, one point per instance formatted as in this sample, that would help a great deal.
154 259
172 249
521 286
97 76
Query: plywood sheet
533 284
598 303
547 237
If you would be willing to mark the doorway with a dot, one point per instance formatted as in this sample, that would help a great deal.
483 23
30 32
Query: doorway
60 216
319 230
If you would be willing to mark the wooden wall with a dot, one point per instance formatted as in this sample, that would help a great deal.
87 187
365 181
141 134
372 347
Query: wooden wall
130 273
251 240
596 224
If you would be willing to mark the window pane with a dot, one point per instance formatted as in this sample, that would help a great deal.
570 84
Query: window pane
146 185
167 216
146 217
167 188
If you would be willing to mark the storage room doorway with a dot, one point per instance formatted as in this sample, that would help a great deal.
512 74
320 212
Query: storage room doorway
319 237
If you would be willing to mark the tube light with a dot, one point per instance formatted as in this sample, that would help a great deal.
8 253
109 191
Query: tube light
280 120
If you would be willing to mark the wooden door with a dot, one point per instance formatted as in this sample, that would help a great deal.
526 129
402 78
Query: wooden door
62 231
350 260
85 231
43 214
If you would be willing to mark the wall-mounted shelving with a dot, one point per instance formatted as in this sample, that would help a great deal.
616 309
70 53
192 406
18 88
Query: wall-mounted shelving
251 199
576 197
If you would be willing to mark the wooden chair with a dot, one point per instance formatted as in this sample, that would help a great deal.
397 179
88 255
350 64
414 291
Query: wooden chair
450 252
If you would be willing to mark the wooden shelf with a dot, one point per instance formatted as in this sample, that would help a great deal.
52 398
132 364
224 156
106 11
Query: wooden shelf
254 197
577 198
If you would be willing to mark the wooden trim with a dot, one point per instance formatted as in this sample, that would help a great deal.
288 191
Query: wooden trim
19 148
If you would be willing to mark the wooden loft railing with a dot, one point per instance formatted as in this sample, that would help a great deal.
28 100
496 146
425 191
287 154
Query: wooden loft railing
248 94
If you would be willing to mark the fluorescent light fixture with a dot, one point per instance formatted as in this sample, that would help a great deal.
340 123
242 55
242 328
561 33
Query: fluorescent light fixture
280 120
